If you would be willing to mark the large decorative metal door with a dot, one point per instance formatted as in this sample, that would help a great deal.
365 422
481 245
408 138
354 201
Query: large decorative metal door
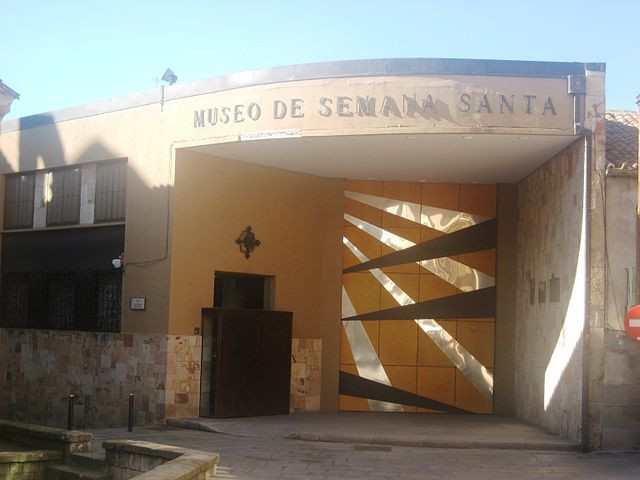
418 297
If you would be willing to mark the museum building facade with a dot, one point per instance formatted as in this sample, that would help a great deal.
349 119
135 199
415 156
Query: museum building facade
435 227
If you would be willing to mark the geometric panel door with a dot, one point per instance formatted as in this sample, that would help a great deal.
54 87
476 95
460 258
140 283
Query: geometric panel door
418 297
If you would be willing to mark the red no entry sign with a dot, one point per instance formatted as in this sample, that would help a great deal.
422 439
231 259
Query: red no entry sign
632 322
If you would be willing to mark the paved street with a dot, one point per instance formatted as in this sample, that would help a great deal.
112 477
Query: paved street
243 457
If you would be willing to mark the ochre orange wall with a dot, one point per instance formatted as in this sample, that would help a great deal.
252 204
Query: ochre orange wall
298 219
411 360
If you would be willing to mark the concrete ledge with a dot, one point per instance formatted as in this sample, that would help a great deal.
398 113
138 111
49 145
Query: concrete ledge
31 456
151 461
31 465
166 452
66 441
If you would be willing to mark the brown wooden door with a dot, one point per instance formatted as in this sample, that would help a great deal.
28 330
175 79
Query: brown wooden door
252 372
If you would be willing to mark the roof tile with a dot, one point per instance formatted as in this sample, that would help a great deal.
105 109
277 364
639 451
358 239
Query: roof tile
622 139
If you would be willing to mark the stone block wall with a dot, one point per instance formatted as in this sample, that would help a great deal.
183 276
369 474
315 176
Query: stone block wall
124 464
27 465
306 374
550 298
40 368
127 459
621 400
36 436
53 446
621 380
182 394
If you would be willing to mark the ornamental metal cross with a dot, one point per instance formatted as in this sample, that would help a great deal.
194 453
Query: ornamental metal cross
247 242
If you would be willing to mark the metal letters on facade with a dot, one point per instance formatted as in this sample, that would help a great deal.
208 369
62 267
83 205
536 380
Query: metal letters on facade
405 105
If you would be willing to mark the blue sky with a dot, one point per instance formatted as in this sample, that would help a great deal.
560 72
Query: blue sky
69 52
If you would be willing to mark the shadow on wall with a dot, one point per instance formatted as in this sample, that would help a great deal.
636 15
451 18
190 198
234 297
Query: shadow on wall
90 365
550 335
39 148
42 367
567 355
4 165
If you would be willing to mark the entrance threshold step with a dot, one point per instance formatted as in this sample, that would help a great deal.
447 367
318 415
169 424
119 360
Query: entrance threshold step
435 443
410 430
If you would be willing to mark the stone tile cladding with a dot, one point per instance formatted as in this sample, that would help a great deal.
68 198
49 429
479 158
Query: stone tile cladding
621 380
306 374
40 368
621 398
549 227
127 459
184 355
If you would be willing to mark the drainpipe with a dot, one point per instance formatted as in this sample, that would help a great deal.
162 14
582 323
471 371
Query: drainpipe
637 275
577 86
588 152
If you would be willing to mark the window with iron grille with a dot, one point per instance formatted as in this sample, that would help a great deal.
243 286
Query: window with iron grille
18 201
78 300
63 207
14 300
111 189
107 298
61 300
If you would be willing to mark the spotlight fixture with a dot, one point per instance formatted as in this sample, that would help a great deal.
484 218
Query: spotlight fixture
169 77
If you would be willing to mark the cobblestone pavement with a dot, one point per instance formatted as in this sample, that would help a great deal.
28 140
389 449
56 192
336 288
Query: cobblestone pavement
259 458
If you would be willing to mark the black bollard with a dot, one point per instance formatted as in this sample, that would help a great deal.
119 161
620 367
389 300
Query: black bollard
72 402
131 397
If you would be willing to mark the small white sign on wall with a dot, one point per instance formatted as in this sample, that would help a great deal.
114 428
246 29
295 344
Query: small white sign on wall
138 303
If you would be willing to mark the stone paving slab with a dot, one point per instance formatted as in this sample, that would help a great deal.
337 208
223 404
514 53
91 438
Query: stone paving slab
248 458
435 431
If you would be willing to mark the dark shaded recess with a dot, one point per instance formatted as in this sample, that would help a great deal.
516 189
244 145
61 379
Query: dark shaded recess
471 239
239 290
477 304
62 279
62 250
361 387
